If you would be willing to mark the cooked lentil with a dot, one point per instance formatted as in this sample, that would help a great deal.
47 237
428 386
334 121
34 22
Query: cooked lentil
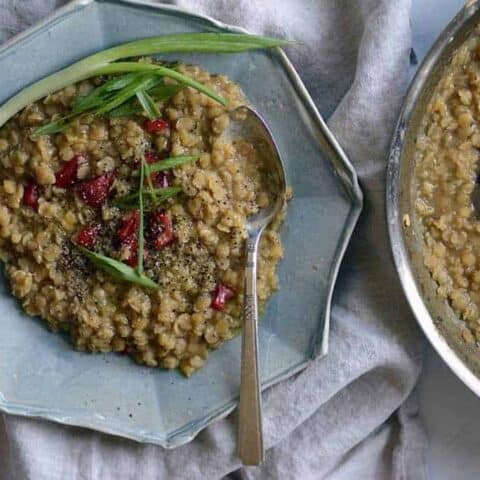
446 171
174 326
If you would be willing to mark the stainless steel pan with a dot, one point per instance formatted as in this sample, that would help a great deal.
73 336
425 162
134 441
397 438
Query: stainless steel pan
438 321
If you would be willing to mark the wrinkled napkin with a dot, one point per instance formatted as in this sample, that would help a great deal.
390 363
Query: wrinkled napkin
349 415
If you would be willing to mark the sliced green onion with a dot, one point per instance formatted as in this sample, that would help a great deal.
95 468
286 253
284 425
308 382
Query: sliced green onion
119 83
120 67
126 110
168 163
148 104
98 95
118 270
151 188
164 92
139 83
159 94
102 99
162 195
140 223
95 64
52 127
142 83
210 42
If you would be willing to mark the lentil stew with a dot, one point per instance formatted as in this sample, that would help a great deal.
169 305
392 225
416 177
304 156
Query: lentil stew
76 189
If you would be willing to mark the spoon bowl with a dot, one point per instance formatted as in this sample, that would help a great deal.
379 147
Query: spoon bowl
249 125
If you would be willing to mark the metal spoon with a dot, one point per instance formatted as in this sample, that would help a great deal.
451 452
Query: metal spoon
248 125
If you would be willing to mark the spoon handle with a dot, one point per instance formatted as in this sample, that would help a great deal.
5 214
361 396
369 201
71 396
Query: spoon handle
250 438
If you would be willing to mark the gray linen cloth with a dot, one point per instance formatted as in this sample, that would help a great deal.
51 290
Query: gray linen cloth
345 416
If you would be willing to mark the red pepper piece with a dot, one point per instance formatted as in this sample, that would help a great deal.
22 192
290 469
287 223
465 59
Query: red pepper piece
151 157
129 225
161 179
95 192
127 234
88 236
156 126
161 229
221 295
67 176
30 194
130 251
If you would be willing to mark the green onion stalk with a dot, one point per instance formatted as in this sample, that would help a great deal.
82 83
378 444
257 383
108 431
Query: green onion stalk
105 62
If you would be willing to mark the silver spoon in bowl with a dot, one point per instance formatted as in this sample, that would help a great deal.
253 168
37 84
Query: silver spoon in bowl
247 124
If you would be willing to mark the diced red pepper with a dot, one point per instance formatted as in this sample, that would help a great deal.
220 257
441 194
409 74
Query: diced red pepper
130 251
221 295
88 236
129 225
151 157
30 194
67 176
156 126
132 260
161 229
95 192
161 179
128 236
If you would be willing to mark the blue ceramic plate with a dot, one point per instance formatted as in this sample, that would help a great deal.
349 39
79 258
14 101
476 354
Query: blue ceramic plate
40 374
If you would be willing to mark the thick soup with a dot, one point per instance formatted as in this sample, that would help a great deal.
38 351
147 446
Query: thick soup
76 191
447 170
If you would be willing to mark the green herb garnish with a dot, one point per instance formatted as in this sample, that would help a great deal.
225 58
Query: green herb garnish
162 195
148 104
118 270
53 127
121 67
158 94
168 163
151 188
142 77
99 95
164 92
142 82
140 223
104 62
